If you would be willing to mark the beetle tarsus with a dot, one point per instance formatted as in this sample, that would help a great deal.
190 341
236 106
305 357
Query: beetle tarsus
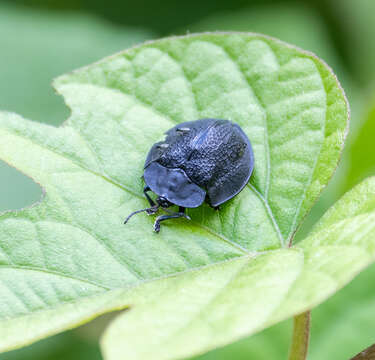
157 226
161 218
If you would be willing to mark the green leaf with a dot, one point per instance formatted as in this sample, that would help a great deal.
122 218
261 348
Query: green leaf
70 258
361 162
248 295
38 46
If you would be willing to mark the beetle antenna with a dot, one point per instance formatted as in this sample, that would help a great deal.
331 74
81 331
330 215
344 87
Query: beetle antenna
150 210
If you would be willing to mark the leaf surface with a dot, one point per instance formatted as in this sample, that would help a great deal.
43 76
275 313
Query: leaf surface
70 258
259 293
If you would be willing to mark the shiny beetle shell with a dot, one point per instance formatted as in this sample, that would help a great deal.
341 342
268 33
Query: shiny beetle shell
207 159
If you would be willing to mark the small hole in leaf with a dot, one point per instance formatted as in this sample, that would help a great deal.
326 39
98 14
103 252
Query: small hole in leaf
16 189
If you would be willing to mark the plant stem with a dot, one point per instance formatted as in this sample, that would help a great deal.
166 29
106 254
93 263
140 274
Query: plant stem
301 336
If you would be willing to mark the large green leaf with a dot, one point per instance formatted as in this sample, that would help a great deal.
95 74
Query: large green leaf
70 258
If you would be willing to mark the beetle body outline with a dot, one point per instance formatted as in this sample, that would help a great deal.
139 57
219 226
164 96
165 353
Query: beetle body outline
203 160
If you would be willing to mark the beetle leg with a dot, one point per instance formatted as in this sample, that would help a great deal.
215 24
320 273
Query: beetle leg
161 218
145 189
154 206
181 209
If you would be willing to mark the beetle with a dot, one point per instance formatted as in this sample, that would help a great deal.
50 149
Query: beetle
202 160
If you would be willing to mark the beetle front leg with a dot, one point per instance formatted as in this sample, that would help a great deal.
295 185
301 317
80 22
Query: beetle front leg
145 189
161 218
152 203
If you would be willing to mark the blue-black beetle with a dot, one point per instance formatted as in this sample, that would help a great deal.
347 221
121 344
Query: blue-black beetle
206 159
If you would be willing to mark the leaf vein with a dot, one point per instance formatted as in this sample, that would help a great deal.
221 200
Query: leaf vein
54 273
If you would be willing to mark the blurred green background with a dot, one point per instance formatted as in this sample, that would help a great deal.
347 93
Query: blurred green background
40 39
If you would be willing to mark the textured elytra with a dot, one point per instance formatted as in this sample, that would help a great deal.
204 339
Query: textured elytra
287 102
210 157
